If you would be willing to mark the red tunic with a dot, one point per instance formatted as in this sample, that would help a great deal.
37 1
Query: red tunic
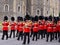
20 27
49 29
58 26
26 29
13 24
45 26
35 24
5 26
35 29
54 29
41 27
43 22
17 27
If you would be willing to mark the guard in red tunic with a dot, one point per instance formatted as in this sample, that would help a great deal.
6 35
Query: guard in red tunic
45 29
41 27
45 26
35 31
18 20
26 31
12 27
49 30
35 28
58 23
5 28
20 29
30 25
54 31
58 27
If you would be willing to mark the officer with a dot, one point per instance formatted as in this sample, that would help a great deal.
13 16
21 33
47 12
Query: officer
5 27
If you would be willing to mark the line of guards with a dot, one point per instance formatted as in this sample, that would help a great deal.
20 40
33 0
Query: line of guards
38 28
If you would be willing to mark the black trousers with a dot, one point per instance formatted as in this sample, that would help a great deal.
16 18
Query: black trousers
12 31
55 35
35 36
49 34
20 35
39 33
5 33
17 33
59 36
42 34
25 38
31 32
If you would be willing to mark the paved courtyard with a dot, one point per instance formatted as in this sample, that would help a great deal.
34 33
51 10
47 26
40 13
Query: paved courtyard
13 41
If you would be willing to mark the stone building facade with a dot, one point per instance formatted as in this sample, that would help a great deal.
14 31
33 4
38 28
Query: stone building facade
32 7
59 5
45 7
6 8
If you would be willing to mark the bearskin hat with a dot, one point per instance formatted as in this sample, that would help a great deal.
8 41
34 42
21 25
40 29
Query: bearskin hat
5 18
50 18
12 18
41 17
36 18
46 18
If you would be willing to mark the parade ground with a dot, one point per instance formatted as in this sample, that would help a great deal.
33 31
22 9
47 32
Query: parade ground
14 41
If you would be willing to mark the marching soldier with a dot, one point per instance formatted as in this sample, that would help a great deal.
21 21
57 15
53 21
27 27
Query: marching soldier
20 29
26 31
54 31
58 28
35 32
35 29
49 30
12 27
32 21
5 27
41 27
40 31
18 20
45 26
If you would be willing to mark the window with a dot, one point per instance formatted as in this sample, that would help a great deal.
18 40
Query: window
47 0
6 7
37 12
18 8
